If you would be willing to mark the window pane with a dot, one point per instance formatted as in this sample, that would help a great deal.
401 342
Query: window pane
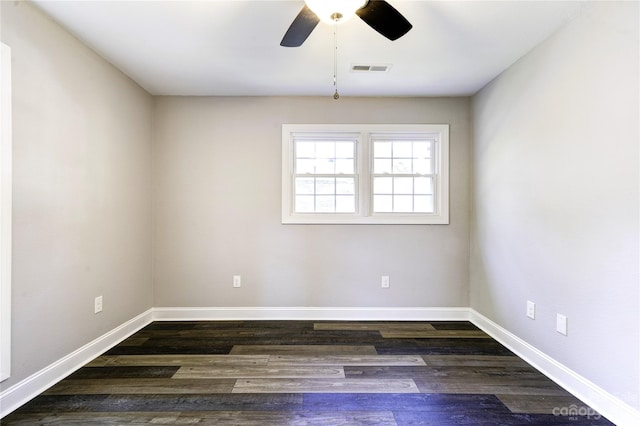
382 203
402 149
422 149
325 204
403 203
345 166
304 204
383 185
305 149
402 165
423 185
382 166
345 186
305 186
318 194
305 166
325 186
422 166
325 149
345 204
382 149
325 166
403 185
344 149
423 204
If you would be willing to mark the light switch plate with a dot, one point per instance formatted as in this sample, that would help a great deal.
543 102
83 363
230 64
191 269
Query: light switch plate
561 324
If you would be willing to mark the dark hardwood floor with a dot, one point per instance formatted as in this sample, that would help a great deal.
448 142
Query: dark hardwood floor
307 373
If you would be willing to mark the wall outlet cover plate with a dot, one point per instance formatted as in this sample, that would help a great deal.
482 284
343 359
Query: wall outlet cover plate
531 309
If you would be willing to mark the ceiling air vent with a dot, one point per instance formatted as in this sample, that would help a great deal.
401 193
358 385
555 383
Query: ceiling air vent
370 68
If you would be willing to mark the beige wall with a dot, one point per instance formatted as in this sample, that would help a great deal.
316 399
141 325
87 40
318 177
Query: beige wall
217 199
556 190
81 192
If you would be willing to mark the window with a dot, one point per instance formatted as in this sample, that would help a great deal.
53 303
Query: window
324 175
376 174
402 176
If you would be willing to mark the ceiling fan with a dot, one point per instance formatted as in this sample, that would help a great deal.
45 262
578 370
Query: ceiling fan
378 14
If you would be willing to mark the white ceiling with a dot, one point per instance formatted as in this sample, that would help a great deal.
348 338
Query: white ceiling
233 47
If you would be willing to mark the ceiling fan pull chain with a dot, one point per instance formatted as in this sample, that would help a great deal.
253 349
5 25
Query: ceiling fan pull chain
336 95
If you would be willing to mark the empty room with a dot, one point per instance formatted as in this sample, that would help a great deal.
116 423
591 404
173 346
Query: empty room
312 212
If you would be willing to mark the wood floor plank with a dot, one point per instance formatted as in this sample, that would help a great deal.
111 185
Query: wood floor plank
245 418
180 360
262 418
444 346
161 402
303 350
63 404
434 334
173 347
372 326
226 324
134 341
199 333
285 372
478 387
415 402
473 377
325 386
121 372
141 386
345 360
104 418
453 325
543 404
467 375
475 361
485 418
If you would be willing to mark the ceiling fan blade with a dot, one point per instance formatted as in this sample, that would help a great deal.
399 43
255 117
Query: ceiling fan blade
385 19
300 28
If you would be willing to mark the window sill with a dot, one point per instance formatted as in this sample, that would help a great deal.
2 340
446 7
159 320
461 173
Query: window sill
335 219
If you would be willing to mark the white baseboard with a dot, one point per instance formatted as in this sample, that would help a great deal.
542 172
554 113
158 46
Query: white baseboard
311 313
595 397
20 393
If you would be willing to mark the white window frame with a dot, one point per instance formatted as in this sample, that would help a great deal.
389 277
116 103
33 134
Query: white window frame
364 133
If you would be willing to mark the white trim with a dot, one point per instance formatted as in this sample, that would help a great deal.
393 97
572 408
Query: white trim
591 394
311 313
20 393
5 212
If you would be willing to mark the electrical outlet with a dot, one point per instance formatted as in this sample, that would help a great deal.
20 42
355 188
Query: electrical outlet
561 324
531 309
97 305
385 281
237 281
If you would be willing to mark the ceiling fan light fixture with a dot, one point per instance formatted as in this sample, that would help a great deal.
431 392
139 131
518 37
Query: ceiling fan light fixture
335 11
